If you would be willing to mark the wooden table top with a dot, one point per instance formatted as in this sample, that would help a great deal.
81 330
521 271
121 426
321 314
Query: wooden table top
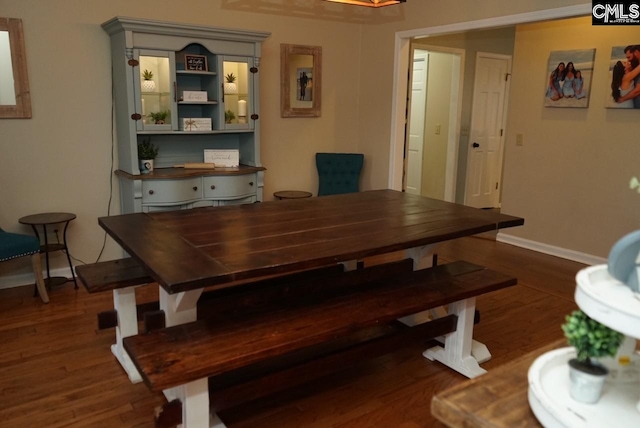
47 218
190 249
497 399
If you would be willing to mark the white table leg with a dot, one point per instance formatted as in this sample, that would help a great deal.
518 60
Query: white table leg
456 353
124 302
180 308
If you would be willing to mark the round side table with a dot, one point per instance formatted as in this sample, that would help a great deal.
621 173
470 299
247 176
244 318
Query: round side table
44 220
291 194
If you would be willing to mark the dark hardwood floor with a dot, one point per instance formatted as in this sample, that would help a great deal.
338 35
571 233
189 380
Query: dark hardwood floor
57 369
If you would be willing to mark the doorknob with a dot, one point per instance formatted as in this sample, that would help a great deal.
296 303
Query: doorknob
475 145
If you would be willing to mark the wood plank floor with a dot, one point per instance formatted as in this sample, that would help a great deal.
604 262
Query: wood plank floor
57 370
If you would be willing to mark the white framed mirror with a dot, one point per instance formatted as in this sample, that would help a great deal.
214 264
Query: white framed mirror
15 98
300 80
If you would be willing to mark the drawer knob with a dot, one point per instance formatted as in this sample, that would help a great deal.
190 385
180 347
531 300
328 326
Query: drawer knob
213 186
151 192
195 188
251 183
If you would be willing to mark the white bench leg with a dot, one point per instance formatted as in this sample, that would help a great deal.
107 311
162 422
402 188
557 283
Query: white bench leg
180 308
456 353
124 302
194 397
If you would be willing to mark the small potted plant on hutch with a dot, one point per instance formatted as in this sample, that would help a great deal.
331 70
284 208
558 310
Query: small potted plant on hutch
230 87
159 117
148 85
147 152
591 340
229 116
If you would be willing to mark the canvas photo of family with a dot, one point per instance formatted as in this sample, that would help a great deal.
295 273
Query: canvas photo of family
569 78
624 75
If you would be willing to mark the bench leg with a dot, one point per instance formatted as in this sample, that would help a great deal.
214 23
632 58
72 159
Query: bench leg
194 397
421 260
180 308
124 302
456 353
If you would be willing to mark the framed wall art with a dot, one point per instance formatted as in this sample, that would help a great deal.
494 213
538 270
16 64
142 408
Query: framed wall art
624 76
568 79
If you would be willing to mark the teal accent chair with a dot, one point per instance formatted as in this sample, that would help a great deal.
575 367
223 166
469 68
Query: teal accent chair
338 172
15 245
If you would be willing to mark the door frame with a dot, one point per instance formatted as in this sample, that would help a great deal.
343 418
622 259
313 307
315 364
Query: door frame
454 126
402 58
497 198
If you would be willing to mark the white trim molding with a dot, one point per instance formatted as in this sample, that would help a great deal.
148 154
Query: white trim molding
24 279
552 250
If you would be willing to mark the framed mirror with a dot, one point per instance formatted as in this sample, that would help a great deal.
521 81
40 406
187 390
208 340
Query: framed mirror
15 99
300 80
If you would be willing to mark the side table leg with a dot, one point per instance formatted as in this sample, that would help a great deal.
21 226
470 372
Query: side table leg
66 250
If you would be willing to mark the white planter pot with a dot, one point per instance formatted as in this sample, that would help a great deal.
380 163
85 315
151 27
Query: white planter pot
586 387
230 88
146 166
148 86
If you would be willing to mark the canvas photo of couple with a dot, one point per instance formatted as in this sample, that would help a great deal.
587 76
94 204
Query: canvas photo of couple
569 78
624 75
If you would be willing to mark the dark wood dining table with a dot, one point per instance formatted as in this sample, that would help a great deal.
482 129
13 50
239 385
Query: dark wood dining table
217 247
191 249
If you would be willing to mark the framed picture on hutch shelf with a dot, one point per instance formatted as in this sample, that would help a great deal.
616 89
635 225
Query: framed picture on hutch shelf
194 62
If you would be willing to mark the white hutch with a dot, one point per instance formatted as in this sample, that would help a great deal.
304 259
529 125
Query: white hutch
179 70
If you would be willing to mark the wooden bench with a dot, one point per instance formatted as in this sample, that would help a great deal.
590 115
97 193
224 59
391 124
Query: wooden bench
123 276
269 338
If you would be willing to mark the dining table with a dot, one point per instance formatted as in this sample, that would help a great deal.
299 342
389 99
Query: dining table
213 248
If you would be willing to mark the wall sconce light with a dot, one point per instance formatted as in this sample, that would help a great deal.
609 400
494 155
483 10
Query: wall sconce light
369 3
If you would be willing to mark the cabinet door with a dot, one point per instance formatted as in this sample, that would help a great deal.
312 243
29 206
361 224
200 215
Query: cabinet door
155 85
171 192
229 186
237 92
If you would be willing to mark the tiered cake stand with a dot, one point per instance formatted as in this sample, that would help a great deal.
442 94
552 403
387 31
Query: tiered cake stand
615 305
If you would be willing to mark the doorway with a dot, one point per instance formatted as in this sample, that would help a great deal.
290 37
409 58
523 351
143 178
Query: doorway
435 101
402 58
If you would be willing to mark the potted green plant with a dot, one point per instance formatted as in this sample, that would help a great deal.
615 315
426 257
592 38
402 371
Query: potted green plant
159 117
147 152
230 86
148 85
592 340
229 115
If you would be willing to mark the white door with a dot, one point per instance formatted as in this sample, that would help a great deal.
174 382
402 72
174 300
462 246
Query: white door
484 159
416 121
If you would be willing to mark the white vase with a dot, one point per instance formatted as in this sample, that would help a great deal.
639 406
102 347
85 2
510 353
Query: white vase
146 166
148 86
230 88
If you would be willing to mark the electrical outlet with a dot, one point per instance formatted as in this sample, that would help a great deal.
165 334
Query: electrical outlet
438 129
519 139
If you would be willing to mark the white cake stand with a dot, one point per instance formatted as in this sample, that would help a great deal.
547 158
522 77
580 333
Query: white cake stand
611 303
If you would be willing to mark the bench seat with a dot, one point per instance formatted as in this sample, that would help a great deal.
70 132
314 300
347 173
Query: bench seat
178 355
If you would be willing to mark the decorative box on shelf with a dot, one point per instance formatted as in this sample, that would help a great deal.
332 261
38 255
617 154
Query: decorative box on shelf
194 96
223 158
195 124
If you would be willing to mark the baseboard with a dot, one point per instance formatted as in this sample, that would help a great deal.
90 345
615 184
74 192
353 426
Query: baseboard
552 250
28 279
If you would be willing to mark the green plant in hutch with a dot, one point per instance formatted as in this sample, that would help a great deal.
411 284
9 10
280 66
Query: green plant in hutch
159 117
148 85
147 150
229 115
230 86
